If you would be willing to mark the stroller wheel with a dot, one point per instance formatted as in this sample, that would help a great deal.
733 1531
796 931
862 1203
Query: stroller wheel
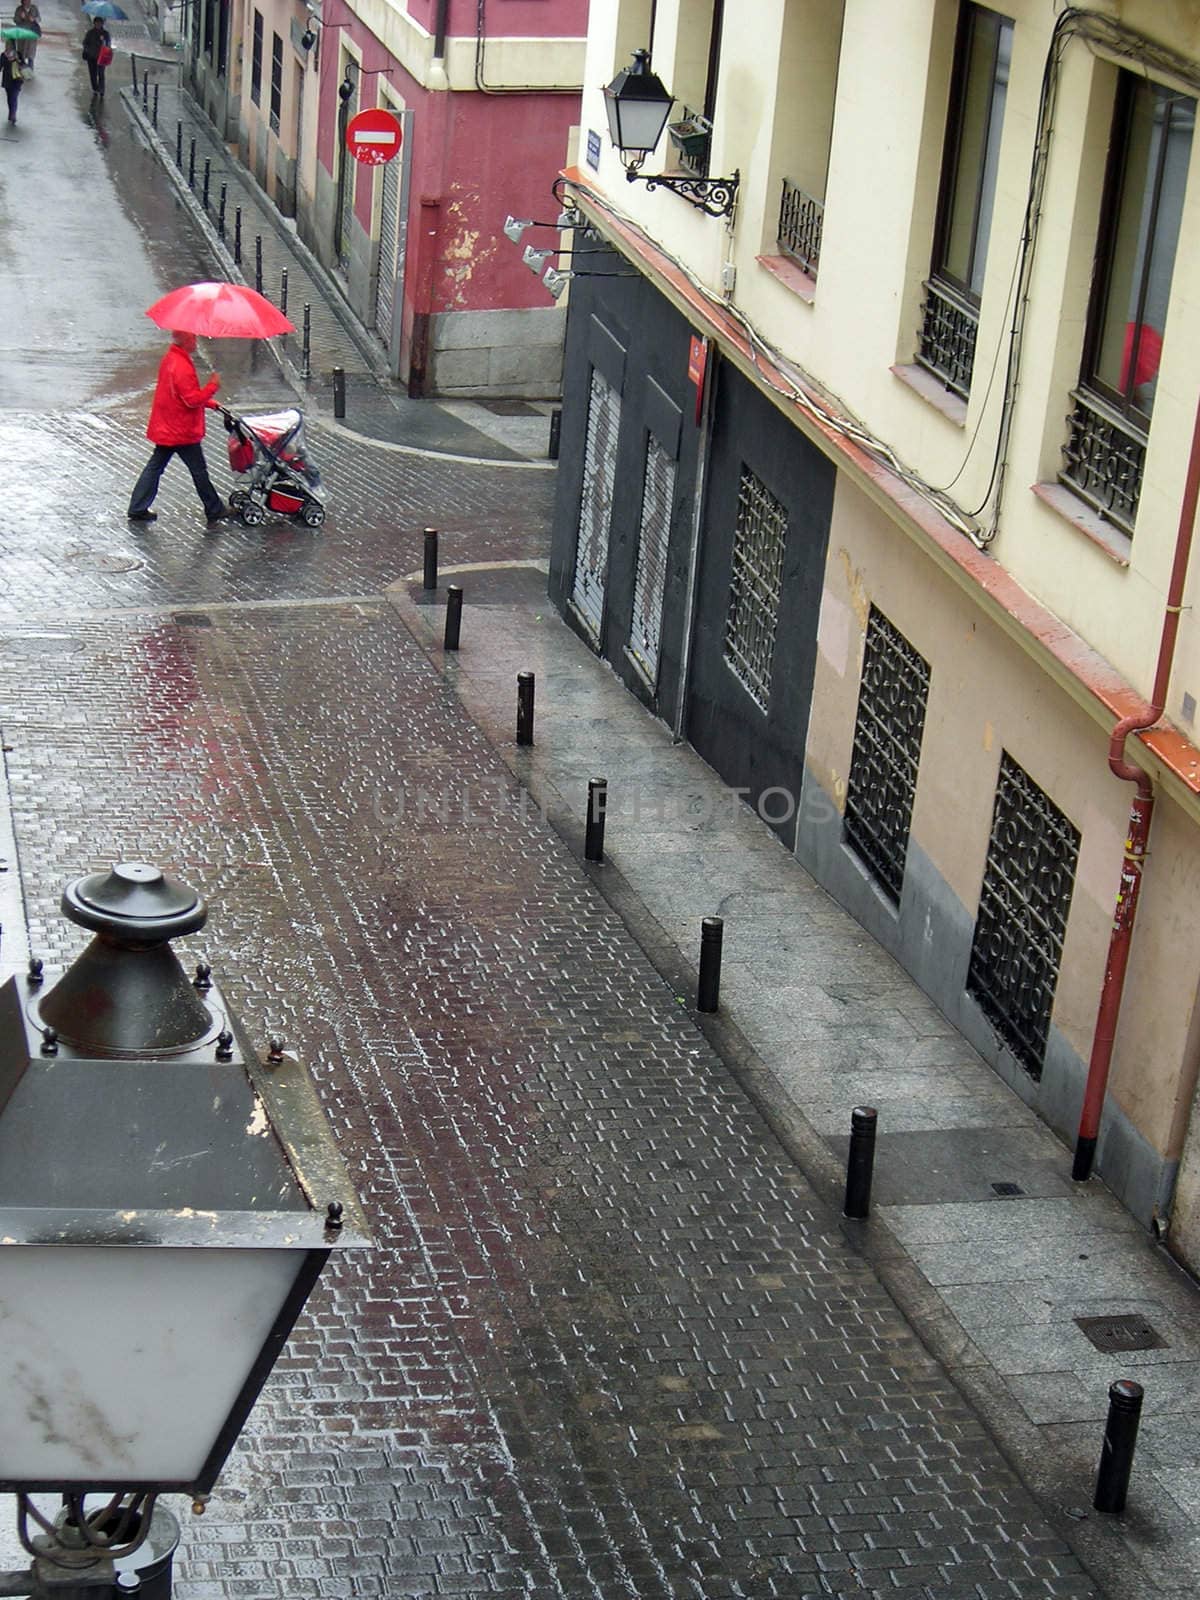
314 516
237 499
252 515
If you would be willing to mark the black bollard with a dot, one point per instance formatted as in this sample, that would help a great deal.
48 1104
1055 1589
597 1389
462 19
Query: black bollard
145 90
524 707
283 290
258 262
306 353
179 145
708 989
207 176
597 809
133 68
555 433
429 572
221 211
453 617
860 1161
154 111
192 165
1120 1436
339 392
237 236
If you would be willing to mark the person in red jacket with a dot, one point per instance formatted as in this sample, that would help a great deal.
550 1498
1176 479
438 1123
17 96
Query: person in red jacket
176 427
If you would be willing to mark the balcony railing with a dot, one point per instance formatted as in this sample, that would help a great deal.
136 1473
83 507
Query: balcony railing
947 341
801 220
1103 459
691 139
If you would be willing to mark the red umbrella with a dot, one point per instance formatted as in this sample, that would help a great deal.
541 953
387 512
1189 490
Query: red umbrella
219 311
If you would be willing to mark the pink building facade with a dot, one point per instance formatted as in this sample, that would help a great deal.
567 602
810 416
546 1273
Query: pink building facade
487 97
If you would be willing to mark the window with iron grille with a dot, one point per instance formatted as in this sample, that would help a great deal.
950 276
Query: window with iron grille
1027 886
256 58
978 92
1109 424
755 585
654 536
276 81
887 753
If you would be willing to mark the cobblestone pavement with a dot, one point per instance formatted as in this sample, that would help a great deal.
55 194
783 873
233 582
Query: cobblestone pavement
611 1343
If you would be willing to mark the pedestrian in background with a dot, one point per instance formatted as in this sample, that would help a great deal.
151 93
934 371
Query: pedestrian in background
28 16
11 76
176 427
97 52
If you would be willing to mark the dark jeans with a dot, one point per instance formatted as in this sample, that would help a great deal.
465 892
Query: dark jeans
12 91
96 74
192 456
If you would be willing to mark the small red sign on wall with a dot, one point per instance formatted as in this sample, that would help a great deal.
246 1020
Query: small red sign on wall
697 365
374 136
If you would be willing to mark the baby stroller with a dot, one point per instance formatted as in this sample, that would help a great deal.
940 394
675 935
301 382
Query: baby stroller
271 449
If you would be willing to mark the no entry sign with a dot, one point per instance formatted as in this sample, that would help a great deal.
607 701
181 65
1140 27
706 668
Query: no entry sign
374 136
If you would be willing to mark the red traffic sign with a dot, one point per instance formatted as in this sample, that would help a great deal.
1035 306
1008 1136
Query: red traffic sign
374 136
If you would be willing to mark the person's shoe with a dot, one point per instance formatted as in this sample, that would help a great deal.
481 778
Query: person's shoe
142 516
224 515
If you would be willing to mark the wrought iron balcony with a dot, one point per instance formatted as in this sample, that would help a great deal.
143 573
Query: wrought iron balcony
949 324
1103 459
801 220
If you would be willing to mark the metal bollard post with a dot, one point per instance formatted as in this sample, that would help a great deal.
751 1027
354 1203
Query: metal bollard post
306 353
145 90
221 211
179 145
237 236
207 176
192 165
429 571
1120 1436
860 1161
597 809
555 434
154 111
524 707
258 262
453 617
339 392
133 67
283 290
708 989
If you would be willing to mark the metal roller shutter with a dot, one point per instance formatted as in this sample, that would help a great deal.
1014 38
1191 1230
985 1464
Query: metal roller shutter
389 218
654 535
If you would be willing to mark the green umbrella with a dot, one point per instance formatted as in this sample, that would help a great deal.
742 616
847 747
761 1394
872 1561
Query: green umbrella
18 33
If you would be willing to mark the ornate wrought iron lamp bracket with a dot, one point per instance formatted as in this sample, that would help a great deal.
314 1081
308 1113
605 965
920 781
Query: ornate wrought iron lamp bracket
716 197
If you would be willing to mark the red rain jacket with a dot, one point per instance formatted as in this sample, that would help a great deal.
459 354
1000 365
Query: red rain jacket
177 413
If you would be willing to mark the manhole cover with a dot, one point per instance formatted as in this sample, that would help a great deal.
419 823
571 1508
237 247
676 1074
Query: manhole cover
1121 1333
193 619
103 561
1008 1189
40 644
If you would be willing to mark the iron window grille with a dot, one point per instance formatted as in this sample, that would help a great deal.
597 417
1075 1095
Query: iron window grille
801 221
1028 882
596 501
978 92
654 535
276 81
1109 424
256 60
755 585
887 753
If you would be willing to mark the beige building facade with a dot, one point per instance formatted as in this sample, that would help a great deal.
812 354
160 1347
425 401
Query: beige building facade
925 540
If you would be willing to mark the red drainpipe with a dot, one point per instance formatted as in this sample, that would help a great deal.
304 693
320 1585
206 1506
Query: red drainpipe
1140 814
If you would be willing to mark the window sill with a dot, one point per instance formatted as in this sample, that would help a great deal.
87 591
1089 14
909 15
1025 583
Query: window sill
1107 538
924 384
792 275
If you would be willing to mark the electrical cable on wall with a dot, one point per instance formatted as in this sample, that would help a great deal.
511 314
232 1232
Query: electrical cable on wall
509 88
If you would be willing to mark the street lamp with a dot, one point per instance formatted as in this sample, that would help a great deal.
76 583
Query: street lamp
638 105
167 1202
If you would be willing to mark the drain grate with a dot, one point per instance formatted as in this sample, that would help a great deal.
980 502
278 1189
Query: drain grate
1114 1334
193 619
1008 1189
